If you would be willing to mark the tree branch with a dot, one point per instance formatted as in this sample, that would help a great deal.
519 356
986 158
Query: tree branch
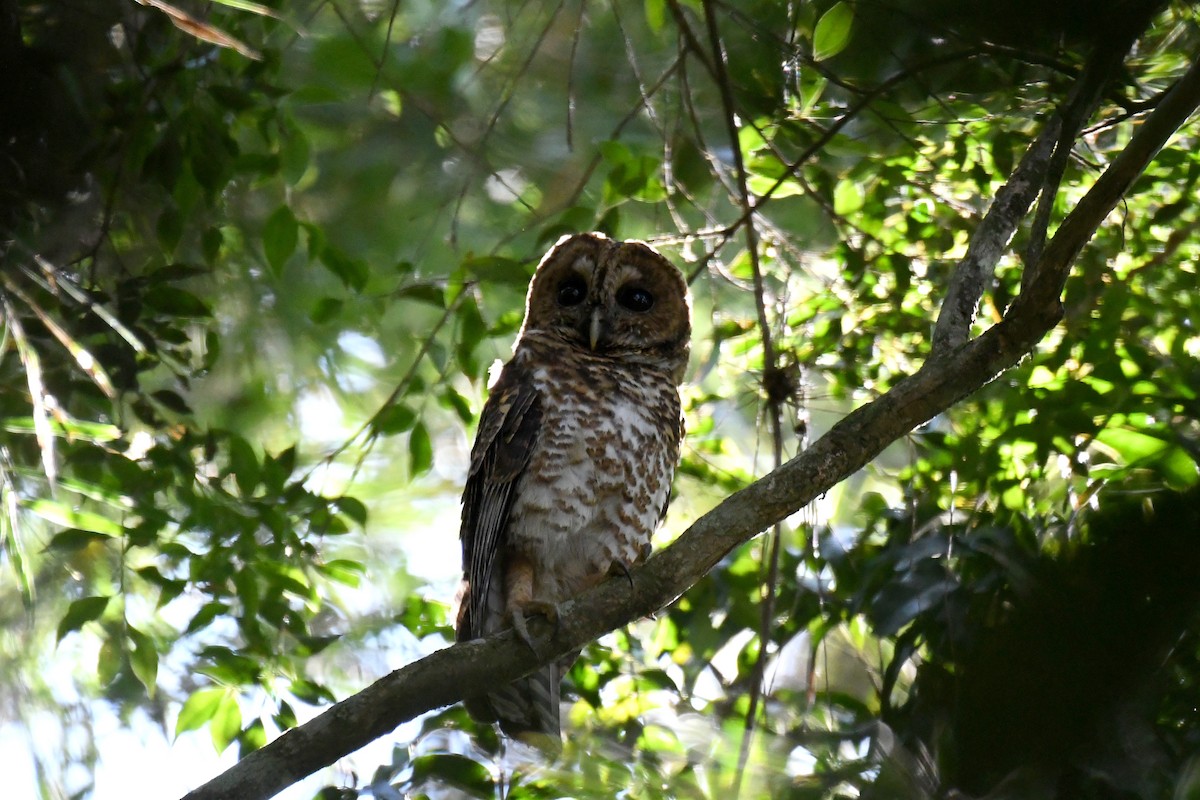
989 242
463 669
1050 273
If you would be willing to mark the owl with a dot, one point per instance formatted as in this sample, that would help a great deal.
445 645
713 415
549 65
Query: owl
572 464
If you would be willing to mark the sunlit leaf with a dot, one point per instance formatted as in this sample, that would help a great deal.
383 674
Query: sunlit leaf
832 32
848 197
246 5
420 450
31 361
65 426
343 571
199 708
54 279
1132 446
252 737
62 514
110 660
83 357
200 29
11 533
226 722
656 11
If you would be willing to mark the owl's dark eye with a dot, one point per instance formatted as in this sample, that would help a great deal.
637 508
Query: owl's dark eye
572 291
635 298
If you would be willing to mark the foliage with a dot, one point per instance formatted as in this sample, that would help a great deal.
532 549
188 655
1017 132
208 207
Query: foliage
258 259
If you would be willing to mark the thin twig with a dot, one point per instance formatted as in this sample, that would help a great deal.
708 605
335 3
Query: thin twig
400 389
387 42
1085 95
770 376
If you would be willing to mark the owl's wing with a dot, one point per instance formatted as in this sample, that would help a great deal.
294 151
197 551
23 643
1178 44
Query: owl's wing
676 435
507 431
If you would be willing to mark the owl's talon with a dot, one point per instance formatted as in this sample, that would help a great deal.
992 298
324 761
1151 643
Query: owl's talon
521 628
619 568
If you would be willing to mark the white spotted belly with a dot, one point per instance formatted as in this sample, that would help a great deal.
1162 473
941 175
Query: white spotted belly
592 494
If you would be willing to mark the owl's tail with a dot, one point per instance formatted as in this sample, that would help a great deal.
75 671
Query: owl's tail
527 708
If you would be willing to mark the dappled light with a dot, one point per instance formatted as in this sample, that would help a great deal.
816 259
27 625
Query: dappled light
933 527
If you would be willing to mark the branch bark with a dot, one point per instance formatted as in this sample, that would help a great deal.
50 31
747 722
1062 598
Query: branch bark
989 242
462 669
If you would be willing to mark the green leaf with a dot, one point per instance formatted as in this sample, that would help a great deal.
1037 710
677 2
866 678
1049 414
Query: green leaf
226 722
173 301
253 8
656 14
73 539
199 709
252 738
1179 469
60 514
279 238
1132 446
143 659
460 772
343 571
63 425
80 612
109 661
353 508
471 331
172 401
326 309
243 463
424 293
396 418
204 617
420 450
449 398
352 272
277 469
848 197
832 33
497 269
311 692
169 228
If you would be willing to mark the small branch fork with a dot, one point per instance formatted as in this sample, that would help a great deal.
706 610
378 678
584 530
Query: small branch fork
959 367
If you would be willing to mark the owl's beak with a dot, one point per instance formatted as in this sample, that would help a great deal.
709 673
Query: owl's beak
596 329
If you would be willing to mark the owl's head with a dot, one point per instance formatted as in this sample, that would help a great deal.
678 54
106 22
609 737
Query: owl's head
620 300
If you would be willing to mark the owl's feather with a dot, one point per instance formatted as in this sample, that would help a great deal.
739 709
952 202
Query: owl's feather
507 431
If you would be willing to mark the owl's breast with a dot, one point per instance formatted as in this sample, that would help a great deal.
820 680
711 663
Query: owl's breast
599 474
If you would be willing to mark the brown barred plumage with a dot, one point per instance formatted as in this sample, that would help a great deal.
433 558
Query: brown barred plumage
577 445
